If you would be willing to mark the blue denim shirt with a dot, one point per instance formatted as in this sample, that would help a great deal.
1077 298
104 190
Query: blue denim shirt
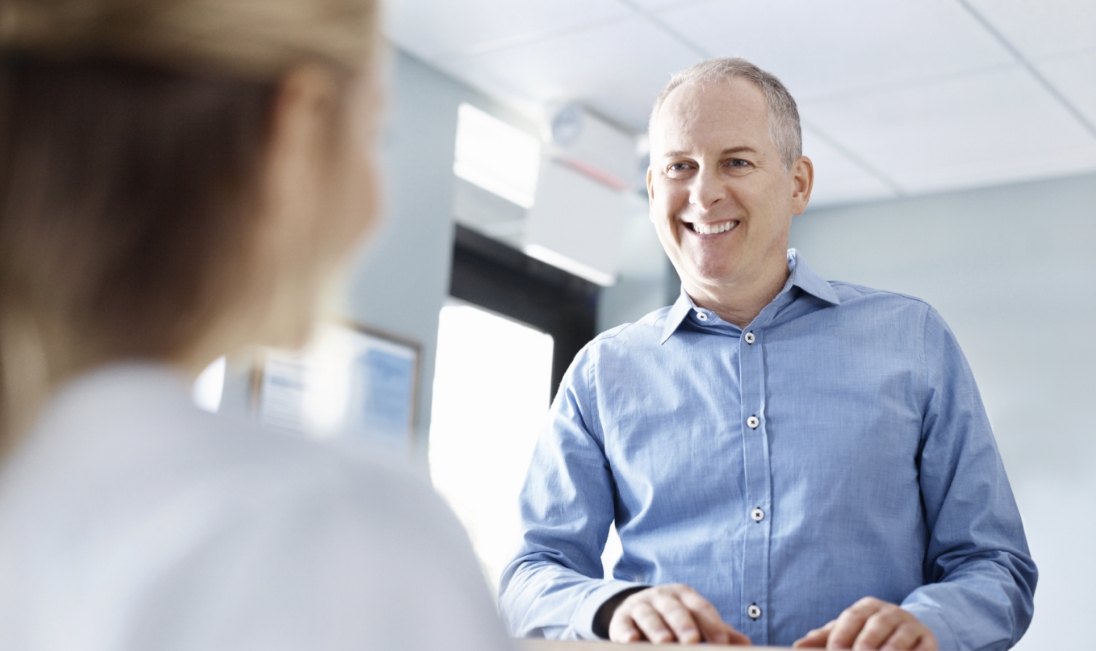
835 448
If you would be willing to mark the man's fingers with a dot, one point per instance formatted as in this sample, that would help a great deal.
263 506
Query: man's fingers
815 639
678 617
927 643
623 629
650 623
872 624
847 626
906 636
712 627
670 613
880 627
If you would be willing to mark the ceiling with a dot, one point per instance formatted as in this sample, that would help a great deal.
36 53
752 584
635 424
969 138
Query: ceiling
897 98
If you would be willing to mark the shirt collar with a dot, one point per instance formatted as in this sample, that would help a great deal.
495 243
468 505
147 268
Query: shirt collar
800 275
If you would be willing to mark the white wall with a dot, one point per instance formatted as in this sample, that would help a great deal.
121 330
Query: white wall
1012 270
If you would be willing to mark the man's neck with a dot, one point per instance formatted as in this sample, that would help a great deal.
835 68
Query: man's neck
739 303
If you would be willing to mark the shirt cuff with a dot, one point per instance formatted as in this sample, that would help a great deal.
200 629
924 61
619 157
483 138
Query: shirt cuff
931 617
583 622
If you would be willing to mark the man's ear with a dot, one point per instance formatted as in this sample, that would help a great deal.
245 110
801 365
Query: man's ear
802 184
650 186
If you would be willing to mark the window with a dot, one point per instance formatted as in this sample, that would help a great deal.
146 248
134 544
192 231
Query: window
491 379
496 156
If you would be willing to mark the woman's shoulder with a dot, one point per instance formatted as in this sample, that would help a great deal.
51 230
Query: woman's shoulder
289 535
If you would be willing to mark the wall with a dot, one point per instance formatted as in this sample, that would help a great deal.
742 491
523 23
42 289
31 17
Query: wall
1012 271
400 280
645 280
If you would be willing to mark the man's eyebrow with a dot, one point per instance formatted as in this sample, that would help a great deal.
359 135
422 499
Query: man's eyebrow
726 152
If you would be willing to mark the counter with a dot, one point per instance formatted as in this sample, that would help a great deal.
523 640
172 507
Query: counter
558 645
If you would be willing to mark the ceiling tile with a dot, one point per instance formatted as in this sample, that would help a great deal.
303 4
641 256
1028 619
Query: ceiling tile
825 47
431 29
837 178
983 129
615 69
1075 77
1042 28
662 4
918 91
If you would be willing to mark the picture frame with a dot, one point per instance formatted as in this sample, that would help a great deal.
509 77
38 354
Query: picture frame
351 381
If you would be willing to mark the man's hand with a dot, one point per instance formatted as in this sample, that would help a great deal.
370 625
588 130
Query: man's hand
872 624
670 613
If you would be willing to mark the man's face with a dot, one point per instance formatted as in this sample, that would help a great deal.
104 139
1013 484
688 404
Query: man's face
720 198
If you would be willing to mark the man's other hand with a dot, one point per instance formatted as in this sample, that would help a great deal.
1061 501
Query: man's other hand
871 624
671 613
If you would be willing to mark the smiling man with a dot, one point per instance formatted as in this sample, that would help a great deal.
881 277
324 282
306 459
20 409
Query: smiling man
786 459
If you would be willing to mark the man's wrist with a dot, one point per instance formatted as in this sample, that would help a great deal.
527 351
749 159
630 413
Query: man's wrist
604 613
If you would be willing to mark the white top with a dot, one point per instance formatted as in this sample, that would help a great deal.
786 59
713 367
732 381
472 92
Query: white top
132 520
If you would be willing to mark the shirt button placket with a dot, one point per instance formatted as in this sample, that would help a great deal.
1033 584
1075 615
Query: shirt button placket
758 498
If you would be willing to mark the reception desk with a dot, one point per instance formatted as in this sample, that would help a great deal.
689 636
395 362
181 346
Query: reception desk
557 645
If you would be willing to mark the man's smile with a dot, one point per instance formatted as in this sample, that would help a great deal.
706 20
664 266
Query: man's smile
713 228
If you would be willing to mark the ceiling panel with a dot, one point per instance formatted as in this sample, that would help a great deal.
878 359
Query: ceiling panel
647 5
837 178
983 129
432 29
917 92
1075 77
1040 28
824 47
615 69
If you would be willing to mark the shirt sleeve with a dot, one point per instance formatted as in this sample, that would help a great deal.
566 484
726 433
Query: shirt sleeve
555 584
979 573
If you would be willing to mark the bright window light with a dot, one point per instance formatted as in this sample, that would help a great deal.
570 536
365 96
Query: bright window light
496 156
209 386
491 384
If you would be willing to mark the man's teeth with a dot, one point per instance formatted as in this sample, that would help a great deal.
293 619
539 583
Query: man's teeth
712 229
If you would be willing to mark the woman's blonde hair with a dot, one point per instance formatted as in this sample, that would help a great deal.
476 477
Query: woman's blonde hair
132 135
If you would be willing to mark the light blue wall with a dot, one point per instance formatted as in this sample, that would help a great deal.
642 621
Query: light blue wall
1013 271
400 281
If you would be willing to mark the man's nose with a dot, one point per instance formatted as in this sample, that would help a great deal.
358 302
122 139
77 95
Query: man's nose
706 189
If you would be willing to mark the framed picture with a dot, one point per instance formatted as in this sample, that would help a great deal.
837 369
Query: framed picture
351 381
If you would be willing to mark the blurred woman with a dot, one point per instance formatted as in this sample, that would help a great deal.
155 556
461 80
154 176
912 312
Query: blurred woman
179 179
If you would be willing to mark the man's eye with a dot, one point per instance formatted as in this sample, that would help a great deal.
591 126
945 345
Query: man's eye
739 163
678 168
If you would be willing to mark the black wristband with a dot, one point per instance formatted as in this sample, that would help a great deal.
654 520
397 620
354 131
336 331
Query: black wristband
604 613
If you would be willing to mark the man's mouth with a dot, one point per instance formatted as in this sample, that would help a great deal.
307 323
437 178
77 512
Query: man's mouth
714 228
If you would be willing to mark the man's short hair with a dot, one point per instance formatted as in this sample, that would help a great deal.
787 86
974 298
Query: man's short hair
784 129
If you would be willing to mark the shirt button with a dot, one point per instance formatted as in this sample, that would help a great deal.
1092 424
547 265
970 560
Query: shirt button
753 611
750 338
752 422
757 514
701 315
